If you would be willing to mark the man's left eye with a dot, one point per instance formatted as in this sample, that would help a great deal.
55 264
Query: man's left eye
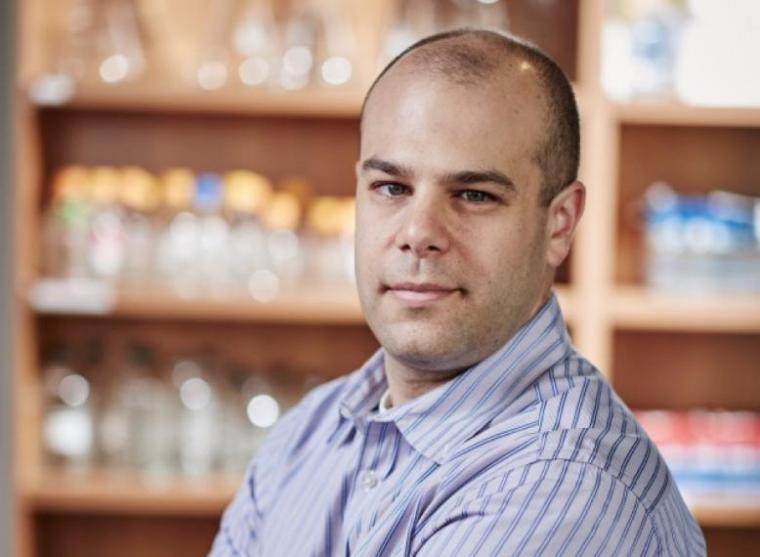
476 196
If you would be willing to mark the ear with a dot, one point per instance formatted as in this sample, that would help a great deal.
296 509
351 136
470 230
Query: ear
564 213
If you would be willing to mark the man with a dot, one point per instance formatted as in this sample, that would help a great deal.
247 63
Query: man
477 429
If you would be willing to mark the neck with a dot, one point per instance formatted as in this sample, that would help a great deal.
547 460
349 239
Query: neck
406 382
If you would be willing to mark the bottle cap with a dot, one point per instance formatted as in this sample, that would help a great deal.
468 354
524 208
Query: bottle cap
105 185
246 191
283 212
178 185
139 190
208 192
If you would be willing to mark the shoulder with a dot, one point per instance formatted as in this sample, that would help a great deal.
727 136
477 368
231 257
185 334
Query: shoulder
585 460
586 423
585 426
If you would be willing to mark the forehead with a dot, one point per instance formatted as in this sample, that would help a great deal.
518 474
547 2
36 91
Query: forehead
499 117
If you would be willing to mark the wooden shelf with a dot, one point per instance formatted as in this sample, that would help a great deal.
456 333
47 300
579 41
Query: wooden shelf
640 308
725 511
172 98
307 305
168 98
671 112
128 493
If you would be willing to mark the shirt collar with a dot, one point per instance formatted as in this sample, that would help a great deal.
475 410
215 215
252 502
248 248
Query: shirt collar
439 421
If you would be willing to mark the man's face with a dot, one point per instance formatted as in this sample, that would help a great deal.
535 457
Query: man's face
450 235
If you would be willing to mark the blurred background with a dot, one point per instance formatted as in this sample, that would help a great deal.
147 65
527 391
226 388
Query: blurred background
179 234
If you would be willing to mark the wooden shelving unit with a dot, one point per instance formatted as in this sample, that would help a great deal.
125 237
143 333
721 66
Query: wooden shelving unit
157 97
640 308
127 493
657 349
315 305
671 112
318 305
714 513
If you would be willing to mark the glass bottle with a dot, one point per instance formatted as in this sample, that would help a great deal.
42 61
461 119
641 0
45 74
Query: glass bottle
301 31
66 224
179 233
198 417
256 41
67 424
262 408
213 260
245 195
107 244
281 218
330 241
147 400
139 196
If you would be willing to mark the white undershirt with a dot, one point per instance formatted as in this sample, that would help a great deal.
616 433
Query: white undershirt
385 402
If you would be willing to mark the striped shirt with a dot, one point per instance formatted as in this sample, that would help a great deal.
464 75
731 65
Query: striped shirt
529 452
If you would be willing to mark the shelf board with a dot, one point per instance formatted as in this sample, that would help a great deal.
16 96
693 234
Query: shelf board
306 305
342 102
719 511
670 112
128 493
163 97
646 309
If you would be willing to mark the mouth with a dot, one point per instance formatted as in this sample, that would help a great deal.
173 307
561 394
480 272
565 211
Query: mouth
419 294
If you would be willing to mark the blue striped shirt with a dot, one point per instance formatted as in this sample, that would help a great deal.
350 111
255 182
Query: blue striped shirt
529 452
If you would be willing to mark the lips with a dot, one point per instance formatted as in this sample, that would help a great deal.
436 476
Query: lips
419 294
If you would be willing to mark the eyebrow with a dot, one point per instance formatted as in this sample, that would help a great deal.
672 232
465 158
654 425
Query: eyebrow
373 163
461 177
479 177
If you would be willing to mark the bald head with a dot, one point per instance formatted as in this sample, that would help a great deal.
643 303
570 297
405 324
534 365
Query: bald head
471 58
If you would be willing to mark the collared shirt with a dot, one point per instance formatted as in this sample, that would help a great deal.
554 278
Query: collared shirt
529 452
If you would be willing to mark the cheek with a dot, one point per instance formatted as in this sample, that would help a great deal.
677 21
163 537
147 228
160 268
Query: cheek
368 240
503 255
374 228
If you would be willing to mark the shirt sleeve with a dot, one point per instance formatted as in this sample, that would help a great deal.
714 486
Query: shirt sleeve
570 509
238 531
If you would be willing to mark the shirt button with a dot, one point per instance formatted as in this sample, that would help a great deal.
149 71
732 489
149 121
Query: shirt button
369 480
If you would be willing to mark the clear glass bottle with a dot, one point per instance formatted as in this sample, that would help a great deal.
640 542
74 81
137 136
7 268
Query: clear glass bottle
148 402
262 407
330 239
286 258
256 39
107 245
237 445
213 261
66 224
245 195
300 35
67 424
178 233
198 416
139 196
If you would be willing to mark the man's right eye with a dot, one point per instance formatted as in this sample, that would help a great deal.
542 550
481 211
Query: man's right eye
391 189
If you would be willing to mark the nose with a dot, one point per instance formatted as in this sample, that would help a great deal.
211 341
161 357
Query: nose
423 231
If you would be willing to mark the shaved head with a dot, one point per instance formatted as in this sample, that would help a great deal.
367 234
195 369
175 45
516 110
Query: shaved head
472 58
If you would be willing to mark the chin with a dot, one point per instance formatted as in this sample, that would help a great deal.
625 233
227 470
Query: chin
425 351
